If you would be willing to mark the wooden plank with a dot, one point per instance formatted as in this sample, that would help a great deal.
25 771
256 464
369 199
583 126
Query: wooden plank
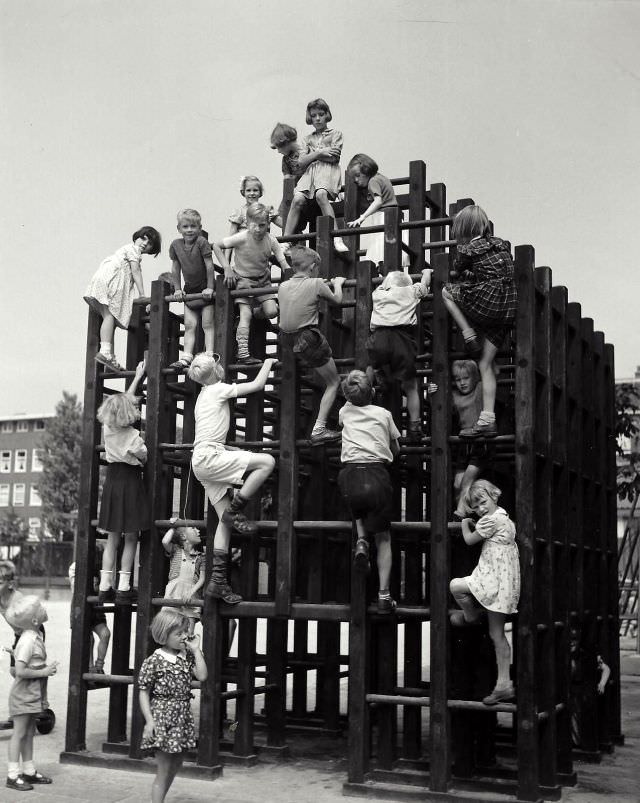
417 211
392 239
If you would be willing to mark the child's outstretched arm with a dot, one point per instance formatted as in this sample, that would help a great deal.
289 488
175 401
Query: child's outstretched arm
211 274
276 250
176 272
373 207
336 297
133 387
425 281
470 535
167 540
136 275
245 388
228 243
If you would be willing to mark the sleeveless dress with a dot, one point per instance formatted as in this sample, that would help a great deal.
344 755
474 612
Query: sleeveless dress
112 284
495 582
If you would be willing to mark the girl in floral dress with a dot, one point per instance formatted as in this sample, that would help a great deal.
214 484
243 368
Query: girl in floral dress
164 683
186 570
495 582
322 179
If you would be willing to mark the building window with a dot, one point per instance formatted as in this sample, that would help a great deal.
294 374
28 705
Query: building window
4 495
34 497
36 460
22 426
21 460
5 461
34 527
18 494
39 424
7 426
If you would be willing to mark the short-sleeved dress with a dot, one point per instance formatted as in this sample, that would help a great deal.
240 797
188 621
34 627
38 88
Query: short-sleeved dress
112 284
239 216
184 572
321 175
495 582
167 678
29 695
486 291
380 187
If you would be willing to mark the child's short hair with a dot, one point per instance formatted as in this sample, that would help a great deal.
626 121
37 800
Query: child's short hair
191 215
180 535
301 255
368 167
154 237
7 569
396 278
24 609
318 103
119 410
479 488
470 222
257 211
357 388
470 366
245 179
283 133
203 366
167 277
165 622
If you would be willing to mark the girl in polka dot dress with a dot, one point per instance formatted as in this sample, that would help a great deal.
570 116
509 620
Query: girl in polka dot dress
164 683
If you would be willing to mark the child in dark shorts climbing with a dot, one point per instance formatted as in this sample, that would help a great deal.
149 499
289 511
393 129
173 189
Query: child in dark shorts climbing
299 299
369 444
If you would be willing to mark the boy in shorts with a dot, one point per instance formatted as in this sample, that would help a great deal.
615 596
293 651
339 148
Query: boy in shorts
299 299
253 248
392 345
219 467
191 258
369 444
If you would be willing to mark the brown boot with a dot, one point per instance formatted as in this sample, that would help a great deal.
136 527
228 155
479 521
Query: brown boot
218 586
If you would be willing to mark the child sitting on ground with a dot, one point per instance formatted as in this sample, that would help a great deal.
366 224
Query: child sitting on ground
392 345
28 695
299 299
484 296
186 570
253 248
494 583
192 261
219 467
369 444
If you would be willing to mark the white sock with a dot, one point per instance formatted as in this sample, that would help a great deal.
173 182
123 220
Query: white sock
106 349
487 417
467 334
28 767
124 583
187 357
105 580
321 423
13 770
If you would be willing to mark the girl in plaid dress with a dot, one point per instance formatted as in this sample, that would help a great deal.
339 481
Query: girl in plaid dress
111 289
484 297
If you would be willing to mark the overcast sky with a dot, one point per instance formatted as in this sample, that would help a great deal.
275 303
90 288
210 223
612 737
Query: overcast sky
116 113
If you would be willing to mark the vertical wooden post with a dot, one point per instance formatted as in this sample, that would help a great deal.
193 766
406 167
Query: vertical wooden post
392 239
417 207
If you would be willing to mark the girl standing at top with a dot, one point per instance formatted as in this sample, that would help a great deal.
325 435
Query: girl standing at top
186 570
322 178
252 190
124 508
495 582
484 296
164 683
380 195
111 290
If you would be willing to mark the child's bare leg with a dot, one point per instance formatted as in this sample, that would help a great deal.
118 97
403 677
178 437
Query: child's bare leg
128 556
104 636
410 387
21 724
329 375
471 474
322 199
191 319
501 645
454 310
270 309
208 326
383 544
243 330
297 205
109 561
465 599
107 331
260 467
487 368
164 776
222 537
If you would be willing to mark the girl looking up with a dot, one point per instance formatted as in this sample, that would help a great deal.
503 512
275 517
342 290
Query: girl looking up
111 290
495 582
186 570
484 296
322 178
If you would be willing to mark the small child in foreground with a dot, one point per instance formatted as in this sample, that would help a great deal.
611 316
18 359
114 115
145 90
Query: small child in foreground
392 345
369 444
494 583
164 683
299 299
219 467
28 694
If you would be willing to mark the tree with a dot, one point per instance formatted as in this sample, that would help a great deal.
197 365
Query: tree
58 486
13 530
628 429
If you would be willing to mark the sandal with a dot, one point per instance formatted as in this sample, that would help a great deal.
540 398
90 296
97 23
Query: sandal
108 362
37 777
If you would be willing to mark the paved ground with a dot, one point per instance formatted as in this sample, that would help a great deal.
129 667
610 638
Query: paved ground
615 780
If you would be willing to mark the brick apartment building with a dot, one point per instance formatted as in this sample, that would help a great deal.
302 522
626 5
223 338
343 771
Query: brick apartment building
20 468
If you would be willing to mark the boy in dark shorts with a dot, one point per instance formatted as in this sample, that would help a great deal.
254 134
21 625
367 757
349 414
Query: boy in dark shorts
192 262
369 444
299 299
392 345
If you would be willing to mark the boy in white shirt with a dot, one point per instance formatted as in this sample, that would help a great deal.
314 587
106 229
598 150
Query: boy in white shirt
369 445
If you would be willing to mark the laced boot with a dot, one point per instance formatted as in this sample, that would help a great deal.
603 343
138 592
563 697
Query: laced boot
218 586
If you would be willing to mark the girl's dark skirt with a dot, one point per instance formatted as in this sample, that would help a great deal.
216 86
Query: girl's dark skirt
124 507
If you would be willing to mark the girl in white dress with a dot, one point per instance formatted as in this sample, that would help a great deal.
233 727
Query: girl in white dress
495 582
111 289
322 179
